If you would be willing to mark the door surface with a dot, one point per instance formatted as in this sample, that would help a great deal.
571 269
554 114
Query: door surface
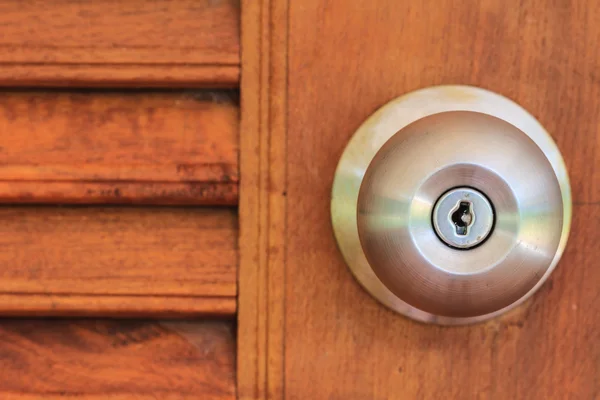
313 71
165 183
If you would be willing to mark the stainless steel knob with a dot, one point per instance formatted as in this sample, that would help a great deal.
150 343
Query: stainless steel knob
451 204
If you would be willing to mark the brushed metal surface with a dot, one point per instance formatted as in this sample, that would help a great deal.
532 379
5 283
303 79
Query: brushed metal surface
411 152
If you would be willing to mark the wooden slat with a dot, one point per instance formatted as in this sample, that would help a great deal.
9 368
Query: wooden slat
99 359
117 261
115 306
109 147
119 43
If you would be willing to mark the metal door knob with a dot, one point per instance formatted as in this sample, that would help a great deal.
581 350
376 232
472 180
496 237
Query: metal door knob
451 204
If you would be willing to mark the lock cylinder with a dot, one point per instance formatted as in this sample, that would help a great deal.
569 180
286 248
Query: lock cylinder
463 218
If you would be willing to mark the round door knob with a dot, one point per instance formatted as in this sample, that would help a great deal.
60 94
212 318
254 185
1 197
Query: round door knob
451 204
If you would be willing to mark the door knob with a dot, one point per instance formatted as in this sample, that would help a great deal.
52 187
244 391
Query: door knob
451 204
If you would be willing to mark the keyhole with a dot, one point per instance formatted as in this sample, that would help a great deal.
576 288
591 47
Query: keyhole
462 218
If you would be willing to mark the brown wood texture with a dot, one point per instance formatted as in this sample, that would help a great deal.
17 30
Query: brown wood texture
262 201
100 359
115 147
169 262
306 328
162 43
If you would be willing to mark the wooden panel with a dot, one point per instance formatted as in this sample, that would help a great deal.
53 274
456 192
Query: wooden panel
92 360
262 207
114 306
115 43
117 261
109 147
308 329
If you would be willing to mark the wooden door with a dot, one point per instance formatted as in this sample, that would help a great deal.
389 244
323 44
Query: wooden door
130 131
313 71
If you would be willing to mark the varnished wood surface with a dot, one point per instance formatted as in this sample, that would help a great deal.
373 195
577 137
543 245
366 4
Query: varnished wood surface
117 261
181 43
332 340
262 202
102 359
119 147
115 306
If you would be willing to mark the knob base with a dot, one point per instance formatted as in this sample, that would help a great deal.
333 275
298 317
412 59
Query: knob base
371 137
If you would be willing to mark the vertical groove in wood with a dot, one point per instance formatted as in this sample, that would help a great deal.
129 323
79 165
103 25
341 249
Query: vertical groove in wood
276 186
263 200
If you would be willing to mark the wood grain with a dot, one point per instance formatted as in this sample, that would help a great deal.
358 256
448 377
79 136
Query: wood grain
262 201
332 340
111 147
117 261
162 43
101 359
115 306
